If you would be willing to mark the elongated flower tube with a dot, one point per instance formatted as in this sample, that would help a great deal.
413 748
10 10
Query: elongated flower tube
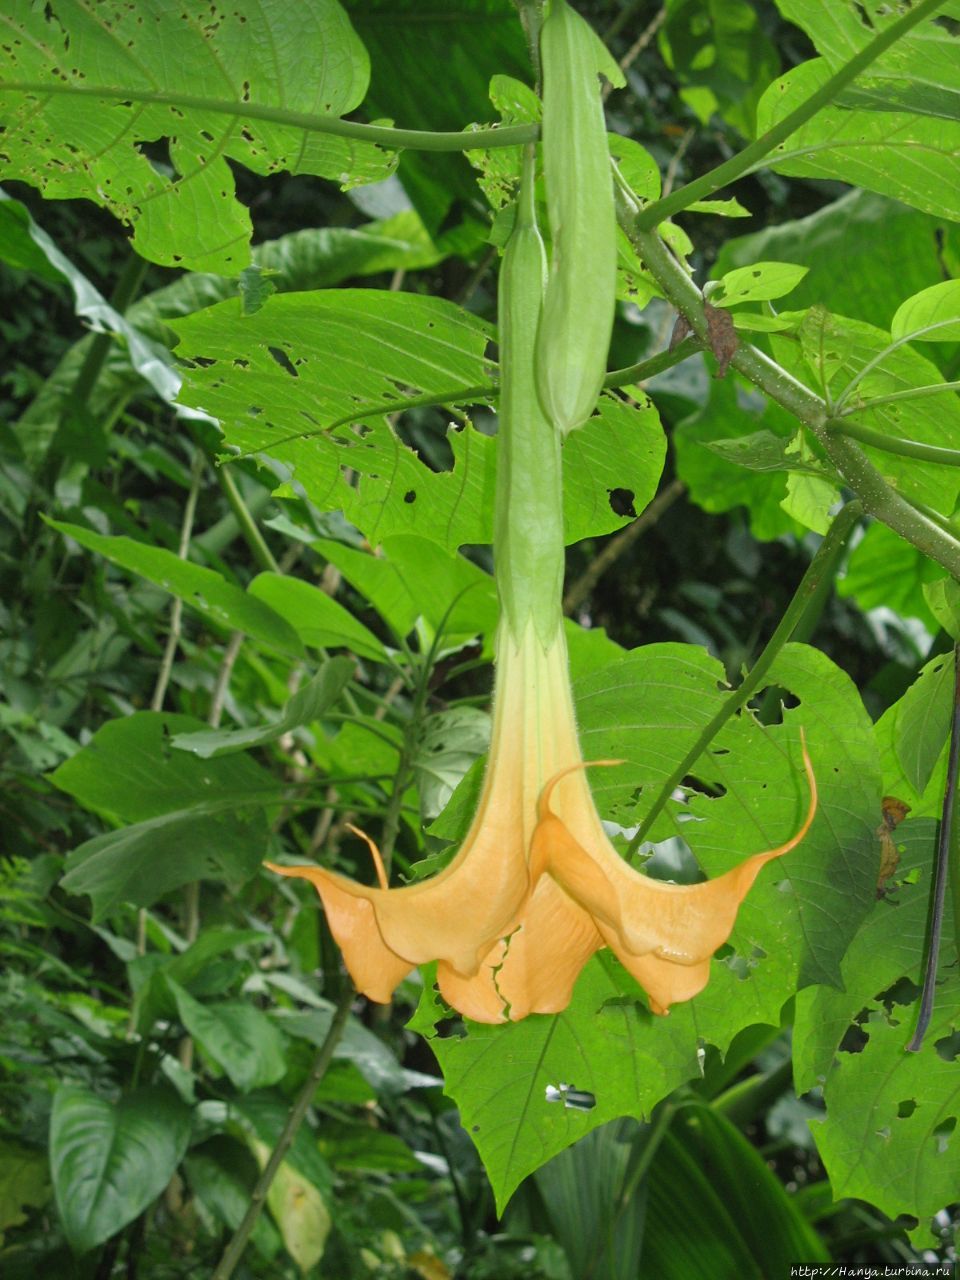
459 916
536 887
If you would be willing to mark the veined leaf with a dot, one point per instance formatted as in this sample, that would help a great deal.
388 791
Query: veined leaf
140 863
380 349
909 157
319 620
833 350
923 720
83 87
920 73
890 1131
241 1040
202 589
110 1160
127 772
936 310
864 252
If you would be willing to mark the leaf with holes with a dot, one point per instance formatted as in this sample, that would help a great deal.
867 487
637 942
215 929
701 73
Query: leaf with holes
286 381
97 101
792 929
756 283
111 1159
863 252
746 793
889 1135
529 1089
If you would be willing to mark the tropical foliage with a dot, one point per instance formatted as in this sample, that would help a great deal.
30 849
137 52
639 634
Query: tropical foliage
248 469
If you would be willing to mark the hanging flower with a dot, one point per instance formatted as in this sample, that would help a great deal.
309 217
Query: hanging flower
458 916
585 896
537 887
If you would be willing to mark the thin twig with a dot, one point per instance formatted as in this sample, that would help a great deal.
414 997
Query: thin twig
670 176
234 1250
939 891
612 550
223 679
638 46
176 610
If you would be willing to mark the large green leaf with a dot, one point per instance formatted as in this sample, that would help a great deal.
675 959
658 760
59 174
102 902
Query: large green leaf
307 361
83 87
920 73
192 819
202 589
736 1221
240 1039
909 157
128 771
319 620
797 920
111 1159
792 930
141 863
415 582
889 1136
507 1080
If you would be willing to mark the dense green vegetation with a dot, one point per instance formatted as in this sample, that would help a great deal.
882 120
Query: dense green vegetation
247 612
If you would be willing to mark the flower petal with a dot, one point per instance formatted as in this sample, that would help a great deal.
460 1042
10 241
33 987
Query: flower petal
652 926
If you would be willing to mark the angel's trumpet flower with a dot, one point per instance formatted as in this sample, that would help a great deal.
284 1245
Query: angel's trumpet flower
585 896
536 887
459 915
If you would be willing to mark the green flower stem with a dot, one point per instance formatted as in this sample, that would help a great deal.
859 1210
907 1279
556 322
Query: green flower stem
656 364
248 526
912 393
234 1250
854 467
895 444
947 841
485 139
528 514
822 566
757 151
